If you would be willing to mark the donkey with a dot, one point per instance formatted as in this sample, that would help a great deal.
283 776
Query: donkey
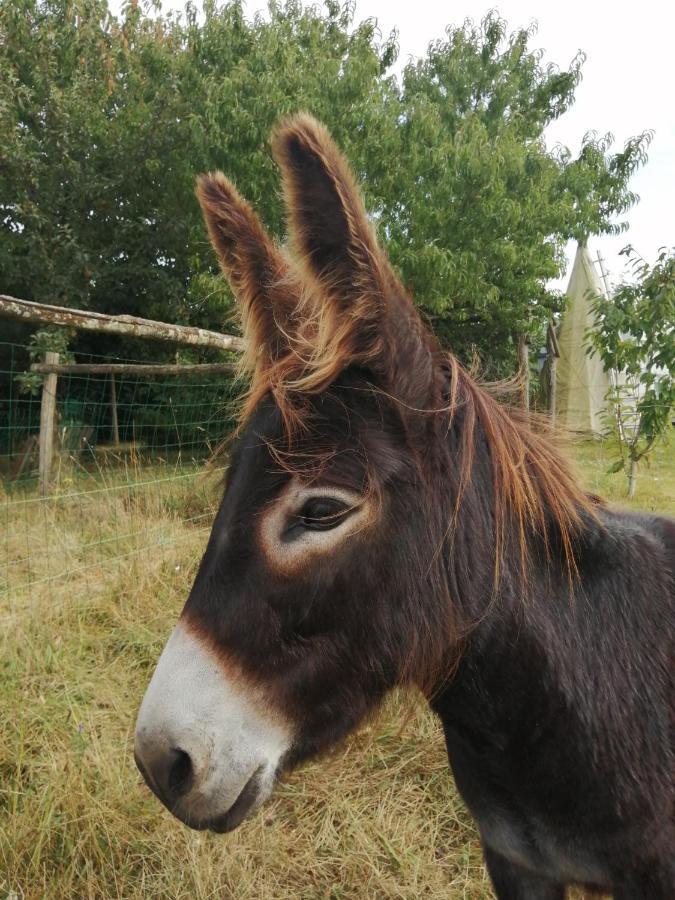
387 521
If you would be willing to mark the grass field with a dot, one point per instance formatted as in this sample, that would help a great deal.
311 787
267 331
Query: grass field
378 819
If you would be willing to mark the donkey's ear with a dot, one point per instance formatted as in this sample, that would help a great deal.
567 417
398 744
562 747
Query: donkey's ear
374 321
254 266
329 228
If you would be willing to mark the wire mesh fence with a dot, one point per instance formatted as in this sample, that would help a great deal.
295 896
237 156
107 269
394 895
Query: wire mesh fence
129 475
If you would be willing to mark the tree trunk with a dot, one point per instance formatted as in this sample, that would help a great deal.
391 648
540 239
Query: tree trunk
632 478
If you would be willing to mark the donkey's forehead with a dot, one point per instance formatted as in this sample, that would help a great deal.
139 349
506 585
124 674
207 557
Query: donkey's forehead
350 435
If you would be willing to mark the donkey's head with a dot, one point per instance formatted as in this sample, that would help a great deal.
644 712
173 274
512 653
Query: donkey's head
313 597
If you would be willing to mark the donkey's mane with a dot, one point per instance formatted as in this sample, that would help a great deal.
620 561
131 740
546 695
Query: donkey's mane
533 490
533 486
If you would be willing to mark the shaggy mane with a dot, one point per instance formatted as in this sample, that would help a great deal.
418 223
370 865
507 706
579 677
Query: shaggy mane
534 488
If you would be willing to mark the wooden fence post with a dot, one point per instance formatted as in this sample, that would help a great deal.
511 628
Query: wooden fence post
47 423
113 408
553 354
523 346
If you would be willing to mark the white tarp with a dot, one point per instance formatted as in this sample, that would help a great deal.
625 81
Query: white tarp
582 382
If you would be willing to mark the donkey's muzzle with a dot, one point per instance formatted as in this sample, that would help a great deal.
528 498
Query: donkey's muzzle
206 743
171 777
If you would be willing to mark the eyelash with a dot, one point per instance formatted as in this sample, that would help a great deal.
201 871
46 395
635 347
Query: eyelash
333 513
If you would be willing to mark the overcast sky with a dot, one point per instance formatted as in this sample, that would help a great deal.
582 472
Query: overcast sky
627 85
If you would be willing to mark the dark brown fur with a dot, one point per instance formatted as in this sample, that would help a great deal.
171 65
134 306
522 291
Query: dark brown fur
538 621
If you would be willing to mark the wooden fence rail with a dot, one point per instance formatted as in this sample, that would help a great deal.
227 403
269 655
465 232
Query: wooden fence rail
132 326
132 368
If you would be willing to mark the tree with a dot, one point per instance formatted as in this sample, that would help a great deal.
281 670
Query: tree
107 122
484 207
635 336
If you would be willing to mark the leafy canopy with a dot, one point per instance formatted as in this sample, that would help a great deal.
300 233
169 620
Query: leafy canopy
106 122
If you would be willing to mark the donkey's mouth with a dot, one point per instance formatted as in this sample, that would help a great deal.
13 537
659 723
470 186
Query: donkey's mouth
249 799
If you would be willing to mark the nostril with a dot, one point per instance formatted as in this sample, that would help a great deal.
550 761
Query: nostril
181 773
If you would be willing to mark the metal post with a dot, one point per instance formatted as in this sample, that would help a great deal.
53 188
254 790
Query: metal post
47 423
603 272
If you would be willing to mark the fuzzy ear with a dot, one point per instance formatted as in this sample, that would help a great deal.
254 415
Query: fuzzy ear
254 266
371 315
329 228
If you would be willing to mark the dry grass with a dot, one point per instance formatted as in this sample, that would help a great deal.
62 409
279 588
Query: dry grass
378 819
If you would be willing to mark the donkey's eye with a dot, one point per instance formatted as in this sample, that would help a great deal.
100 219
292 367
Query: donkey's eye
323 513
309 520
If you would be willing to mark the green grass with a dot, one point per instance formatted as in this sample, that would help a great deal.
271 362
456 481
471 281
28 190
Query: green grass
378 819
656 478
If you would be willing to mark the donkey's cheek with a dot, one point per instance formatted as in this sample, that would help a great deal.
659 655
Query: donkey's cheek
206 741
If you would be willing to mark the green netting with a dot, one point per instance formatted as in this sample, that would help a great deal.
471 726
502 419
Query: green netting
145 488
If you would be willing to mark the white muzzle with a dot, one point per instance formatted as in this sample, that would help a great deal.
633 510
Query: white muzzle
206 742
